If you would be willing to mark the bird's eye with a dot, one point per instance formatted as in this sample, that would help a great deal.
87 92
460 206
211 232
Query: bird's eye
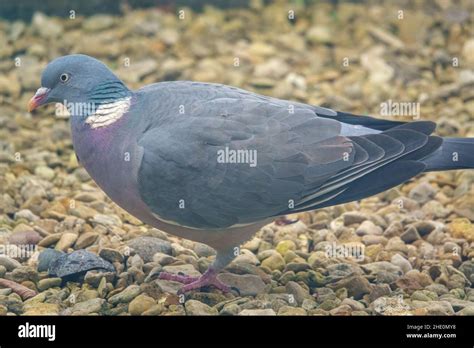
64 78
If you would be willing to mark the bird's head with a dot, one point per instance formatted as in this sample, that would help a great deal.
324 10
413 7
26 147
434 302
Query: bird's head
77 80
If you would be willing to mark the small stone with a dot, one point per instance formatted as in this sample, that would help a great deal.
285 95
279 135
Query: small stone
371 239
288 310
467 268
126 295
77 263
436 210
95 305
94 278
66 241
46 257
188 270
109 220
163 259
319 34
298 292
146 247
96 23
140 304
284 246
194 307
435 307
155 309
422 192
258 312
353 217
247 285
168 286
342 310
26 214
3 310
85 240
355 305
84 212
47 283
274 262
424 227
45 173
420 296
462 228
9 263
393 230
50 240
466 311
39 308
203 250
410 235
111 255
356 286
401 262
368 228
246 256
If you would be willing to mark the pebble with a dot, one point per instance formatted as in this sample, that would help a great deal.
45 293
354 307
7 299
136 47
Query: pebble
38 308
66 241
257 312
247 285
9 263
111 255
284 246
140 304
356 286
434 307
368 228
401 262
126 295
188 270
288 310
410 235
95 305
146 247
76 263
298 292
274 262
422 192
47 283
194 307
86 239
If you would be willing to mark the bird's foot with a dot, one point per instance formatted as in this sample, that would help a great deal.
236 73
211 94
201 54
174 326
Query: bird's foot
193 283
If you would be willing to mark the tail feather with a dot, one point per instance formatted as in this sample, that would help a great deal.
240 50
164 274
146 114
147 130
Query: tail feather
454 153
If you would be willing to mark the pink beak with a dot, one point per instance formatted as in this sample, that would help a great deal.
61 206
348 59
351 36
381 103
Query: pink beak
38 98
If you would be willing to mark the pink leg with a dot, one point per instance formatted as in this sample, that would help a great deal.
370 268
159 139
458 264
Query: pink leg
193 283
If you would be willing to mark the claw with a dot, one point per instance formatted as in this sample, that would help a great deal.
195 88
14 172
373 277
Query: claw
193 283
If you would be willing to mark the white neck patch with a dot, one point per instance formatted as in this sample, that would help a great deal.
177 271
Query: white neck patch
107 114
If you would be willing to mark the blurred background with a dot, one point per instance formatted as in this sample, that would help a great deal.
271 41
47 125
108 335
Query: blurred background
353 56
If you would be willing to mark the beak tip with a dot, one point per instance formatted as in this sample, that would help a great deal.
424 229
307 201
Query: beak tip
38 99
31 105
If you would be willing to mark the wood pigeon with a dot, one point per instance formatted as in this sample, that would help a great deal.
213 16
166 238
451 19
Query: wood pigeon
214 163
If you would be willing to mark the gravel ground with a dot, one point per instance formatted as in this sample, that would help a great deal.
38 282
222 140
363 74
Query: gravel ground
408 251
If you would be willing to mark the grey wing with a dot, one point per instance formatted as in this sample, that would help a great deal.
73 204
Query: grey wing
303 161
188 175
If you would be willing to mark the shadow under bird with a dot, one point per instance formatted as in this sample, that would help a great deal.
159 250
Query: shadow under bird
176 154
